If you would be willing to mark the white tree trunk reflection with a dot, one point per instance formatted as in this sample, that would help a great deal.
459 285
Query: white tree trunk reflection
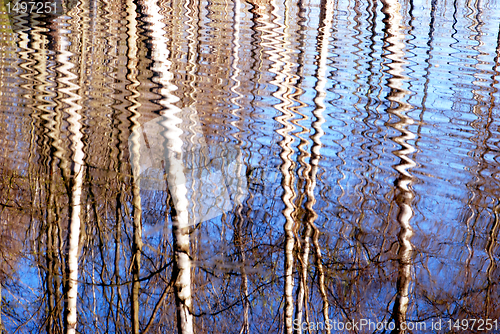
284 80
176 180
399 107
76 175
326 16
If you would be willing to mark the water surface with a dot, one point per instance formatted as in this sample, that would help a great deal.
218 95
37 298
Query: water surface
312 161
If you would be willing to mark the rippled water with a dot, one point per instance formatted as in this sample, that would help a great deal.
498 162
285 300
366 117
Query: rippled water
257 166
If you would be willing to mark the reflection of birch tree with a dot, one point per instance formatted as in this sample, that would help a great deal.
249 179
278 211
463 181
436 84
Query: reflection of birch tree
326 16
74 221
309 171
175 178
239 235
75 172
135 155
394 37
274 43
283 81
137 228
304 245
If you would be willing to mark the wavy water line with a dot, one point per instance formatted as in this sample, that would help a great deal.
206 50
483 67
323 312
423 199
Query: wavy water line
361 189
330 16
372 115
43 85
132 63
492 243
250 138
235 88
484 118
357 80
339 207
27 55
490 248
462 76
478 198
105 39
481 125
191 66
213 129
